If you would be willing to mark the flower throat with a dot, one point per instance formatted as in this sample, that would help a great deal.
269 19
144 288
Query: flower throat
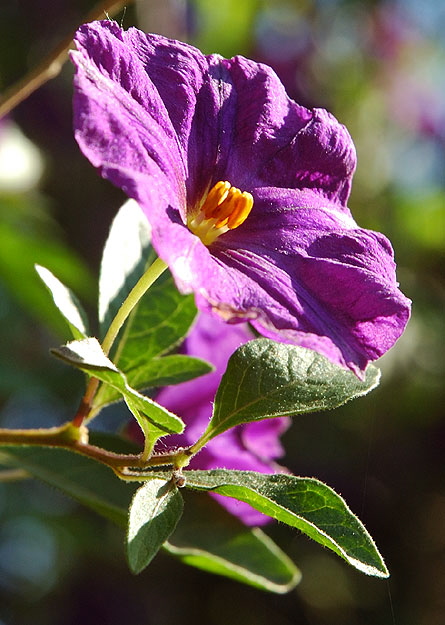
224 208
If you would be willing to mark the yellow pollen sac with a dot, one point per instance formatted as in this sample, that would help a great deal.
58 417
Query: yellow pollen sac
224 208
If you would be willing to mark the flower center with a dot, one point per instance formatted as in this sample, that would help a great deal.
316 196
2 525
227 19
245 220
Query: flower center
224 208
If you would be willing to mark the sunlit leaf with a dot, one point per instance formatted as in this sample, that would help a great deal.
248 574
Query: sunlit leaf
161 320
265 379
163 371
88 356
208 537
66 302
124 260
304 503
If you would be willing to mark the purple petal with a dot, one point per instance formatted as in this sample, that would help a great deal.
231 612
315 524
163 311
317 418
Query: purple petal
313 278
262 438
276 142
183 78
308 276
134 145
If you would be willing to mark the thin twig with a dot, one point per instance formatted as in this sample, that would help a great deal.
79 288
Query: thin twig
75 439
51 66
14 475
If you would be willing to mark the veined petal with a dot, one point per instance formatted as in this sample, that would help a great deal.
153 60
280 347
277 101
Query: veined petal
193 97
314 279
120 120
284 144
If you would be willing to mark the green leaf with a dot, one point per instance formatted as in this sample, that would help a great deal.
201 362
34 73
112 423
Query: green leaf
171 369
88 356
154 513
205 541
163 371
67 303
157 325
88 482
124 260
213 540
163 316
150 431
161 320
265 379
304 503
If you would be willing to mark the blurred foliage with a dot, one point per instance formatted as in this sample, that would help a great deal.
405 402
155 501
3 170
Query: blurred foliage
378 66
224 27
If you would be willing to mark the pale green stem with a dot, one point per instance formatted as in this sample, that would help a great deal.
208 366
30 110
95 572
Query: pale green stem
140 288
186 455
144 283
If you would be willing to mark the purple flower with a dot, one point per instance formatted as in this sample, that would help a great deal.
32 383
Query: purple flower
250 447
273 242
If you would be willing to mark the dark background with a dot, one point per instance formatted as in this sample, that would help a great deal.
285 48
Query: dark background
378 66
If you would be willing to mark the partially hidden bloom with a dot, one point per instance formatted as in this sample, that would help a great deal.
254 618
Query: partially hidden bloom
245 190
249 447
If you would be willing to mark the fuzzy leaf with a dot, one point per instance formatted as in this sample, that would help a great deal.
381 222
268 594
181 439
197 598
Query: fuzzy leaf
124 260
154 513
304 503
161 320
265 379
163 316
88 356
163 371
215 542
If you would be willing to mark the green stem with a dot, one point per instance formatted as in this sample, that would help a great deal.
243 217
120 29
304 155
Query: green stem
196 447
61 436
144 283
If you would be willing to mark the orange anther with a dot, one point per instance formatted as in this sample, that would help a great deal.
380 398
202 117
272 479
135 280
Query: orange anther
224 208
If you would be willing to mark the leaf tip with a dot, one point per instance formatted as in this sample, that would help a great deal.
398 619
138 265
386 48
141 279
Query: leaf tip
380 571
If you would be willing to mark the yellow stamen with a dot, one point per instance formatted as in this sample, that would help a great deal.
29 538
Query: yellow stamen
243 206
215 198
224 208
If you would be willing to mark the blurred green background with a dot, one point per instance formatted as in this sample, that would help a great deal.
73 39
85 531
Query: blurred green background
379 67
